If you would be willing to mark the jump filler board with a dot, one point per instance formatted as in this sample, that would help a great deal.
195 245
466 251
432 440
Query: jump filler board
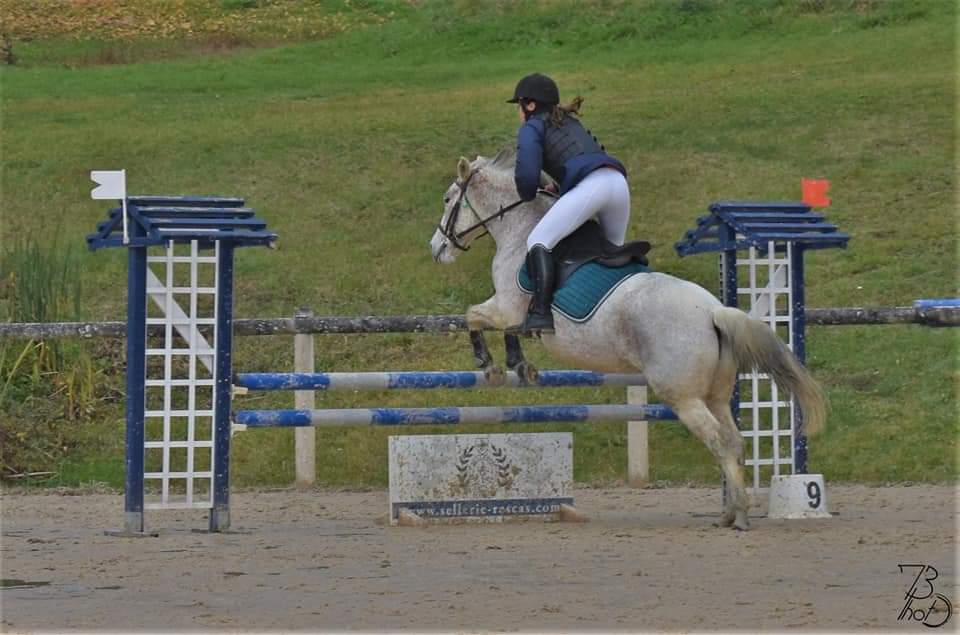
481 477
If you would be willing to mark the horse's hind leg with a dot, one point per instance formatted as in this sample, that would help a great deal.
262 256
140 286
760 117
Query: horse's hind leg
735 486
724 442
718 402
526 371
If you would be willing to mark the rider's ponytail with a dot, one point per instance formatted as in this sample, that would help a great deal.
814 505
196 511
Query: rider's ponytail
559 112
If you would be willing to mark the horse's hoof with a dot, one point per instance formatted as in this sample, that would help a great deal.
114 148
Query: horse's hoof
741 523
527 373
495 375
728 518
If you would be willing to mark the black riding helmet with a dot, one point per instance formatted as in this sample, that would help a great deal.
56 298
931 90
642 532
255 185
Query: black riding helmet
538 88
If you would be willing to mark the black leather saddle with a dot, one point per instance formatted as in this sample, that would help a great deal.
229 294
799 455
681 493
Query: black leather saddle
588 244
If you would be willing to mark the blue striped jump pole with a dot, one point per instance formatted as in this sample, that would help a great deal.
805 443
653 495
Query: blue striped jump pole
936 303
421 380
471 414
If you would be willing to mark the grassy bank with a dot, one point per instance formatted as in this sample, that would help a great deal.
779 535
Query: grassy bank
345 139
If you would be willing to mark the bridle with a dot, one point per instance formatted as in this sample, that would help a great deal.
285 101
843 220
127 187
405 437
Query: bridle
447 229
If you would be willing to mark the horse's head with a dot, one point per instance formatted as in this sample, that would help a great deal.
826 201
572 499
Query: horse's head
481 194
460 223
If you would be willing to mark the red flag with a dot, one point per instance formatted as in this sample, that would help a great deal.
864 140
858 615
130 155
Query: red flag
815 192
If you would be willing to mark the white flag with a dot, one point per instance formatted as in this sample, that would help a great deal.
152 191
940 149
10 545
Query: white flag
110 184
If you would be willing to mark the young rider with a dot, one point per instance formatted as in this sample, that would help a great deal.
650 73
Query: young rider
591 184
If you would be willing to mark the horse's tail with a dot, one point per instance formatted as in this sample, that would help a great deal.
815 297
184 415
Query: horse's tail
756 346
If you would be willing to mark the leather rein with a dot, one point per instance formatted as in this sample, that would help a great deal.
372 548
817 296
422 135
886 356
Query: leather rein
455 238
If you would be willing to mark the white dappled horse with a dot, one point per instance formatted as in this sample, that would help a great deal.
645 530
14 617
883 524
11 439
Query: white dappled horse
687 344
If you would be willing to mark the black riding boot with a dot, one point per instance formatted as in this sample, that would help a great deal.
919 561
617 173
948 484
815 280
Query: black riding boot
540 316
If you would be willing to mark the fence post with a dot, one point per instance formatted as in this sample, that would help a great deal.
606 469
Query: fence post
638 456
305 440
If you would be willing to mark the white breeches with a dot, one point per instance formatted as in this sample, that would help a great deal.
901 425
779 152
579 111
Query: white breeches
603 194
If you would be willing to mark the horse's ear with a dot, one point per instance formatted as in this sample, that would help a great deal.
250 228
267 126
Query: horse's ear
463 169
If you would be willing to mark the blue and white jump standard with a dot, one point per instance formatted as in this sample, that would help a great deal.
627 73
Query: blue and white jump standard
775 237
178 391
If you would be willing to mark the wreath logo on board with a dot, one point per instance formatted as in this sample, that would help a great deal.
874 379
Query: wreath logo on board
484 468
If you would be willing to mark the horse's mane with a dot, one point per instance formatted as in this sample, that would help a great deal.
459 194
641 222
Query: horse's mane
503 161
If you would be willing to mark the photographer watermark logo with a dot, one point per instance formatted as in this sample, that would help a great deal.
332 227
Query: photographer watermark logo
923 603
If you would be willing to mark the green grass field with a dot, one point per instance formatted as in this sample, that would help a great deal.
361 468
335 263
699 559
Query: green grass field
345 134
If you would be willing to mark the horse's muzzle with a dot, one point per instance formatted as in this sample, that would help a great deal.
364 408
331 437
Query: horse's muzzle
439 248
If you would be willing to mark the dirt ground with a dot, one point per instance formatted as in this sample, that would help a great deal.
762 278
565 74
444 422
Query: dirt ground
649 560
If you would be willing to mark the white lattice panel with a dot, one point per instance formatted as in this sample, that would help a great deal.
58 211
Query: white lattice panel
766 413
181 378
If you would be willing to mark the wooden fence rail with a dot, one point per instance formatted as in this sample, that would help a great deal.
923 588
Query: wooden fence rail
928 316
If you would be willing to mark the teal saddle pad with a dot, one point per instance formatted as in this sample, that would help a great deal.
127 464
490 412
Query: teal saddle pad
581 295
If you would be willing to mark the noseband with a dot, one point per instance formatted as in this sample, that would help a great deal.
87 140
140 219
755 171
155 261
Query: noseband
447 229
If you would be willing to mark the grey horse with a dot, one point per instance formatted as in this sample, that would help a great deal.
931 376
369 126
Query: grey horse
687 344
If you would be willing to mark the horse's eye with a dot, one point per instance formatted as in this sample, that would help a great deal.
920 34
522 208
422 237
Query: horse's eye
446 200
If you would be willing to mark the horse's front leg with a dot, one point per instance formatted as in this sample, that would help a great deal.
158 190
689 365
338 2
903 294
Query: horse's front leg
479 317
484 360
525 370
